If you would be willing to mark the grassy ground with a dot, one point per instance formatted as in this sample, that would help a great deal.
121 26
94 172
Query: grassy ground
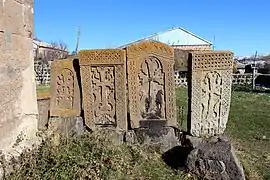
94 157
43 92
248 127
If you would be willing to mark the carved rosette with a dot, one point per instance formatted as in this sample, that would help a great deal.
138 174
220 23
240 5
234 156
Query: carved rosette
104 88
151 82
210 92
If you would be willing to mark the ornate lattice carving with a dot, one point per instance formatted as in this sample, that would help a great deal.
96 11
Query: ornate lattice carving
151 82
151 47
104 88
105 56
210 92
212 60
65 92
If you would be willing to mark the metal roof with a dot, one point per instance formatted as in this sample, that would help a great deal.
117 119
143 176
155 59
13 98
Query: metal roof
174 36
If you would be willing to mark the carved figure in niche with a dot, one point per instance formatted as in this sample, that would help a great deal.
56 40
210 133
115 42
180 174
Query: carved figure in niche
103 95
65 89
211 101
151 89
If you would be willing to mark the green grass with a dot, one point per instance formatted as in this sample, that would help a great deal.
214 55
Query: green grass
249 128
93 157
43 91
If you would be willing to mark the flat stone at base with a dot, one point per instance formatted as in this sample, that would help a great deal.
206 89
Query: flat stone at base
163 137
66 126
214 159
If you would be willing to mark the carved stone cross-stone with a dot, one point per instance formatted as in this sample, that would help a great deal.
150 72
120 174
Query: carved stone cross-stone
65 92
104 88
151 83
210 92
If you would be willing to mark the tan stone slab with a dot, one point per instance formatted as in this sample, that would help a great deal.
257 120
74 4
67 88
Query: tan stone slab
1 16
65 91
210 92
103 76
18 18
151 83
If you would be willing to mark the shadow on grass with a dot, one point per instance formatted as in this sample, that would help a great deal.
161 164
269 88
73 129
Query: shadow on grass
176 157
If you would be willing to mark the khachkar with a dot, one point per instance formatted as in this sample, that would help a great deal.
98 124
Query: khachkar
210 92
65 92
104 88
151 84
65 103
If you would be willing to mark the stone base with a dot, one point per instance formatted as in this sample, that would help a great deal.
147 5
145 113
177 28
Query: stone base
213 158
154 133
66 126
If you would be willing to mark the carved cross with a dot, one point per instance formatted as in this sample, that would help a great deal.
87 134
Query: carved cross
150 77
65 89
211 97
103 86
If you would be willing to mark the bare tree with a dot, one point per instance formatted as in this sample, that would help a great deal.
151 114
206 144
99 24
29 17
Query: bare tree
45 55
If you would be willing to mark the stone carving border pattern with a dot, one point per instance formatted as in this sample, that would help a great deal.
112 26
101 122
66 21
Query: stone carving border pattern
208 61
56 69
165 54
104 57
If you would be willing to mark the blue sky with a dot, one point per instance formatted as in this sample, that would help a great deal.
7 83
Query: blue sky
240 26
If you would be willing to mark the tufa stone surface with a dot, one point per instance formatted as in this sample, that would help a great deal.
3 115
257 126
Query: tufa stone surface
154 133
151 85
43 113
214 159
18 105
104 88
65 91
210 79
66 126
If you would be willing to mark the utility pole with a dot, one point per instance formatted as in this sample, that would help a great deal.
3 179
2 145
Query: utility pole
214 43
78 38
254 71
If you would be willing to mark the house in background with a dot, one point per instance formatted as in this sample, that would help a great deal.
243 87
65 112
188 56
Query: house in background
182 41
44 49
178 38
44 54
240 67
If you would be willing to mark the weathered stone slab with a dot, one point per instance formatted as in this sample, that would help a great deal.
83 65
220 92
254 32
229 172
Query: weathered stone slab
65 91
21 16
214 159
151 83
43 113
66 126
1 19
210 92
103 75
18 105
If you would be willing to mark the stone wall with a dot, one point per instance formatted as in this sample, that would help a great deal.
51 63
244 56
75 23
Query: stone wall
18 105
